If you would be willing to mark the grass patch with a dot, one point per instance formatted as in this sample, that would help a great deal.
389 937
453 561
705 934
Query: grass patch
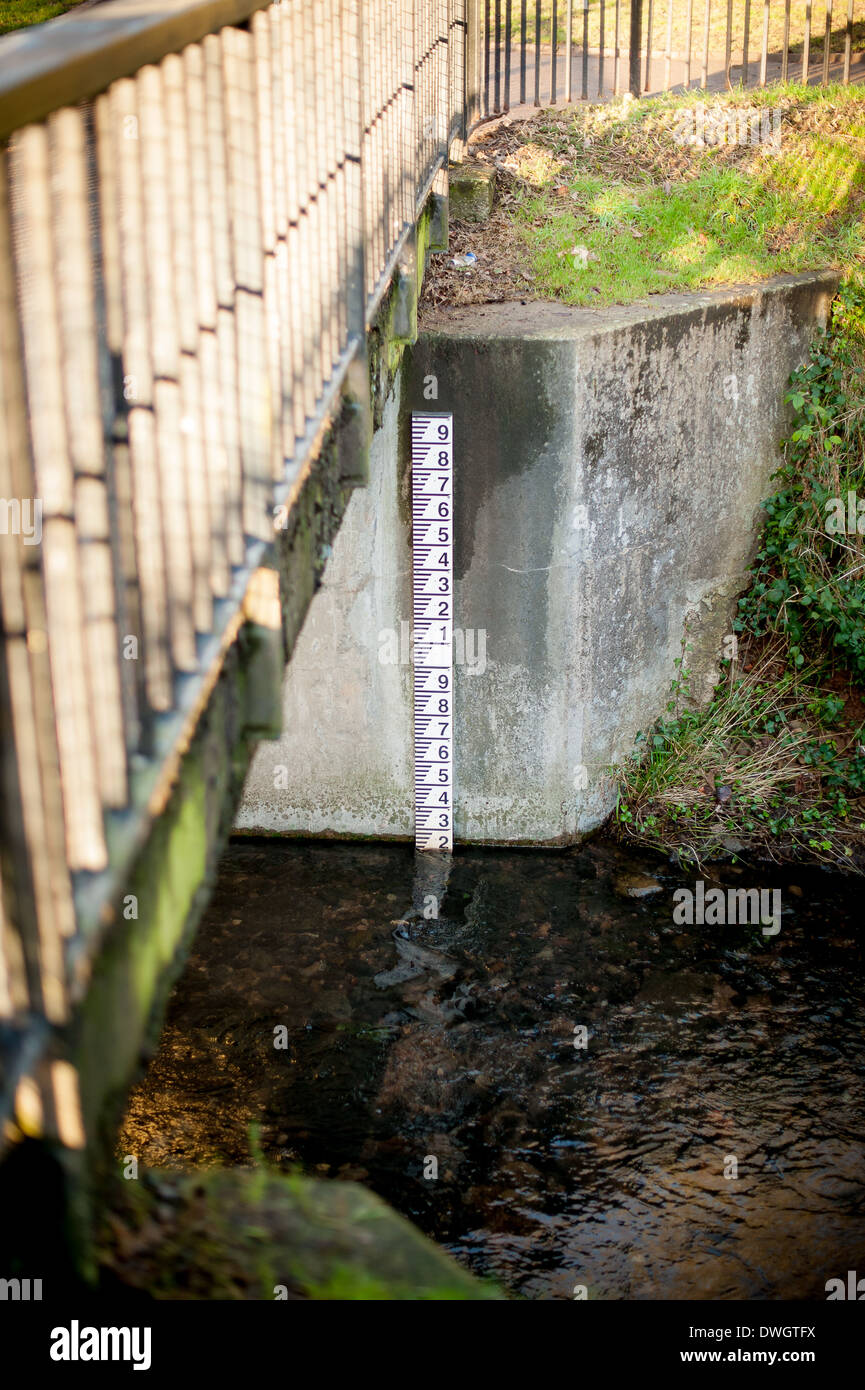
775 764
20 14
685 215
611 203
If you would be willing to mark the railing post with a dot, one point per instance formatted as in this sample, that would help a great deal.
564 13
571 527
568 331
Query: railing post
634 47
471 59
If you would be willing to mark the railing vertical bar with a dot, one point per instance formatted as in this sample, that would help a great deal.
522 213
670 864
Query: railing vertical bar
584 82
689 26
444 123
264 134
411 115
668 51
523 36
329 71
376 161
728 50
253 393
275 78
785 47
569 49
185 289
354 127
497 102
292 155
486 63
311 285
806 43
363 126
319 67
617 49
122 145
34 832
764 53
508 21
601 21
159 244
216 459
634 47
848 42
226 344
157 159
73 237
32 184
746 35
649 23
537 98
827 48
704 71
380 128
554 50
105 180
338 101
370 250
393 214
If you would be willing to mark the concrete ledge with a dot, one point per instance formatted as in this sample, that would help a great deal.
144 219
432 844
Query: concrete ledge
608 473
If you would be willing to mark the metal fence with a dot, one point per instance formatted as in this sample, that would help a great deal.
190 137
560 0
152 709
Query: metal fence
539 52
201 206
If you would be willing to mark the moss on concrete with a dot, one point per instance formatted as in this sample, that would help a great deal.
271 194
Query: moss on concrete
471 191
256 1234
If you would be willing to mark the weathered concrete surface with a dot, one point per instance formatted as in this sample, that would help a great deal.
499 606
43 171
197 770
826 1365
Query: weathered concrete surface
344 762
609 469
471 191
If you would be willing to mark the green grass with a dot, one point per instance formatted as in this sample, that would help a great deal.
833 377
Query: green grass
20 14
657 215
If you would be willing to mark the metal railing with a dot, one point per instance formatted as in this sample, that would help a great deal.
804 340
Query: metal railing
543 52
201 206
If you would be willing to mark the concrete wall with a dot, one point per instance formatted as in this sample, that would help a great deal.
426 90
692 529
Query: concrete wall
609 467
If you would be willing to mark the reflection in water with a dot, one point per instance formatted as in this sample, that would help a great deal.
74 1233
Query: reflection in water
410 1038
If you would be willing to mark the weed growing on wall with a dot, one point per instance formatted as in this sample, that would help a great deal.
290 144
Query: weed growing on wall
775 764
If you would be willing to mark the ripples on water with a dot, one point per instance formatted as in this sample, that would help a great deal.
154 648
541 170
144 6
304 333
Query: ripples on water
556 1166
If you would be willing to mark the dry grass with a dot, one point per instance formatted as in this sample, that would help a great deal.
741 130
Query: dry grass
746 775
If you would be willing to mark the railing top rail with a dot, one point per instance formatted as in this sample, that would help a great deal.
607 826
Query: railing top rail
83 52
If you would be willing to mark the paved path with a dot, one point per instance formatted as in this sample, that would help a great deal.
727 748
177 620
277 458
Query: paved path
600 82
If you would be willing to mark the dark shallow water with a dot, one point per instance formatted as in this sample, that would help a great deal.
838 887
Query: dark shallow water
556 1166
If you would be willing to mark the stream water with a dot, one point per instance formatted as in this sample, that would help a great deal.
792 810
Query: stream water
706 1142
